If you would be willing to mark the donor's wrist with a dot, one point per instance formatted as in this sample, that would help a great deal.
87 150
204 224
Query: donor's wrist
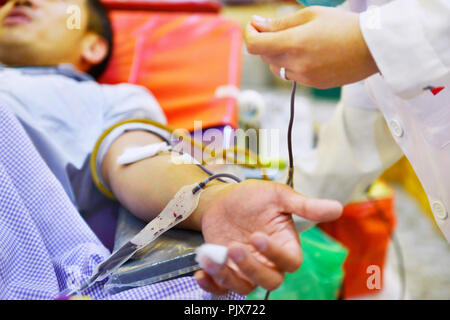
211 195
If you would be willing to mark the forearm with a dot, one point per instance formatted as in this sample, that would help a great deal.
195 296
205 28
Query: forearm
146 186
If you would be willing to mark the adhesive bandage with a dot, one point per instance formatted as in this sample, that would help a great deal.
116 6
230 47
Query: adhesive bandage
135 154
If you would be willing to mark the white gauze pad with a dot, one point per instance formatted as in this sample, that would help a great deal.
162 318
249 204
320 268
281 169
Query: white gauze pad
214 252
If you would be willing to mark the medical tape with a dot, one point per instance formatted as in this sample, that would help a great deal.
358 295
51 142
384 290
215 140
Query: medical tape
135 154
184 158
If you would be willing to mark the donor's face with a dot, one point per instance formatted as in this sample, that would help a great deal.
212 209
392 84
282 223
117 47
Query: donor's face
46 31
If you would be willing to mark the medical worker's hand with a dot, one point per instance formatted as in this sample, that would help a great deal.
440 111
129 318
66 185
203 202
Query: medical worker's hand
318 46
253 219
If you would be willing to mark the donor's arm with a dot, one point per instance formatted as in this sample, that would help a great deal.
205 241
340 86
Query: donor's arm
253 218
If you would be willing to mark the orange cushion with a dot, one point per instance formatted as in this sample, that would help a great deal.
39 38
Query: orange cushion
182 59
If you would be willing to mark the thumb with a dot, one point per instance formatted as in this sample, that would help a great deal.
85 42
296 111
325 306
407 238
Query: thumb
278 24
319 210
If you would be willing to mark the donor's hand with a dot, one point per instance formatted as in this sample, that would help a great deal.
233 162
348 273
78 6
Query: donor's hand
253 219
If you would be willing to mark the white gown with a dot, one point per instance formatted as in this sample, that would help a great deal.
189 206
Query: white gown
394 112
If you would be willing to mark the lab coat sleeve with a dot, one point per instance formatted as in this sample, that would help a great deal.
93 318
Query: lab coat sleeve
353 149
410 43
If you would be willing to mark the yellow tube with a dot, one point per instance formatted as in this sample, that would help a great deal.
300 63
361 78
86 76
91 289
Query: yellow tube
213 154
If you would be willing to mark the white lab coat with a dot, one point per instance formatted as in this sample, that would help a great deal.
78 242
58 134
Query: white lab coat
391 113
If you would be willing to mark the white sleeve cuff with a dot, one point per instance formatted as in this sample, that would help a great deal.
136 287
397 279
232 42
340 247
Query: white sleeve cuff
116 133
399 42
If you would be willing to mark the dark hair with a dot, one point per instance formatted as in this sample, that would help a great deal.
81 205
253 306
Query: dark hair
100 24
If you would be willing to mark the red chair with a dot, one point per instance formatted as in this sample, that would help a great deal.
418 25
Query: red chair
182 58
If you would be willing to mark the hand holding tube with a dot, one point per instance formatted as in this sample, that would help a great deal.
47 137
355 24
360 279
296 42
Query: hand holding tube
318 46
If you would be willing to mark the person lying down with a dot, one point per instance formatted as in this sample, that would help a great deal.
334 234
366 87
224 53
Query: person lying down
47 81
45 244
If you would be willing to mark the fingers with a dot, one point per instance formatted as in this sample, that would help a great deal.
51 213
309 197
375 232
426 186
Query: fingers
266 42
207 283
287 257
6 8
289 74
257 272
279 60
224 277
278 24
319 210
249 270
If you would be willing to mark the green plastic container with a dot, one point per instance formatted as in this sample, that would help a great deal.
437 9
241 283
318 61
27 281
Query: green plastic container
320 276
